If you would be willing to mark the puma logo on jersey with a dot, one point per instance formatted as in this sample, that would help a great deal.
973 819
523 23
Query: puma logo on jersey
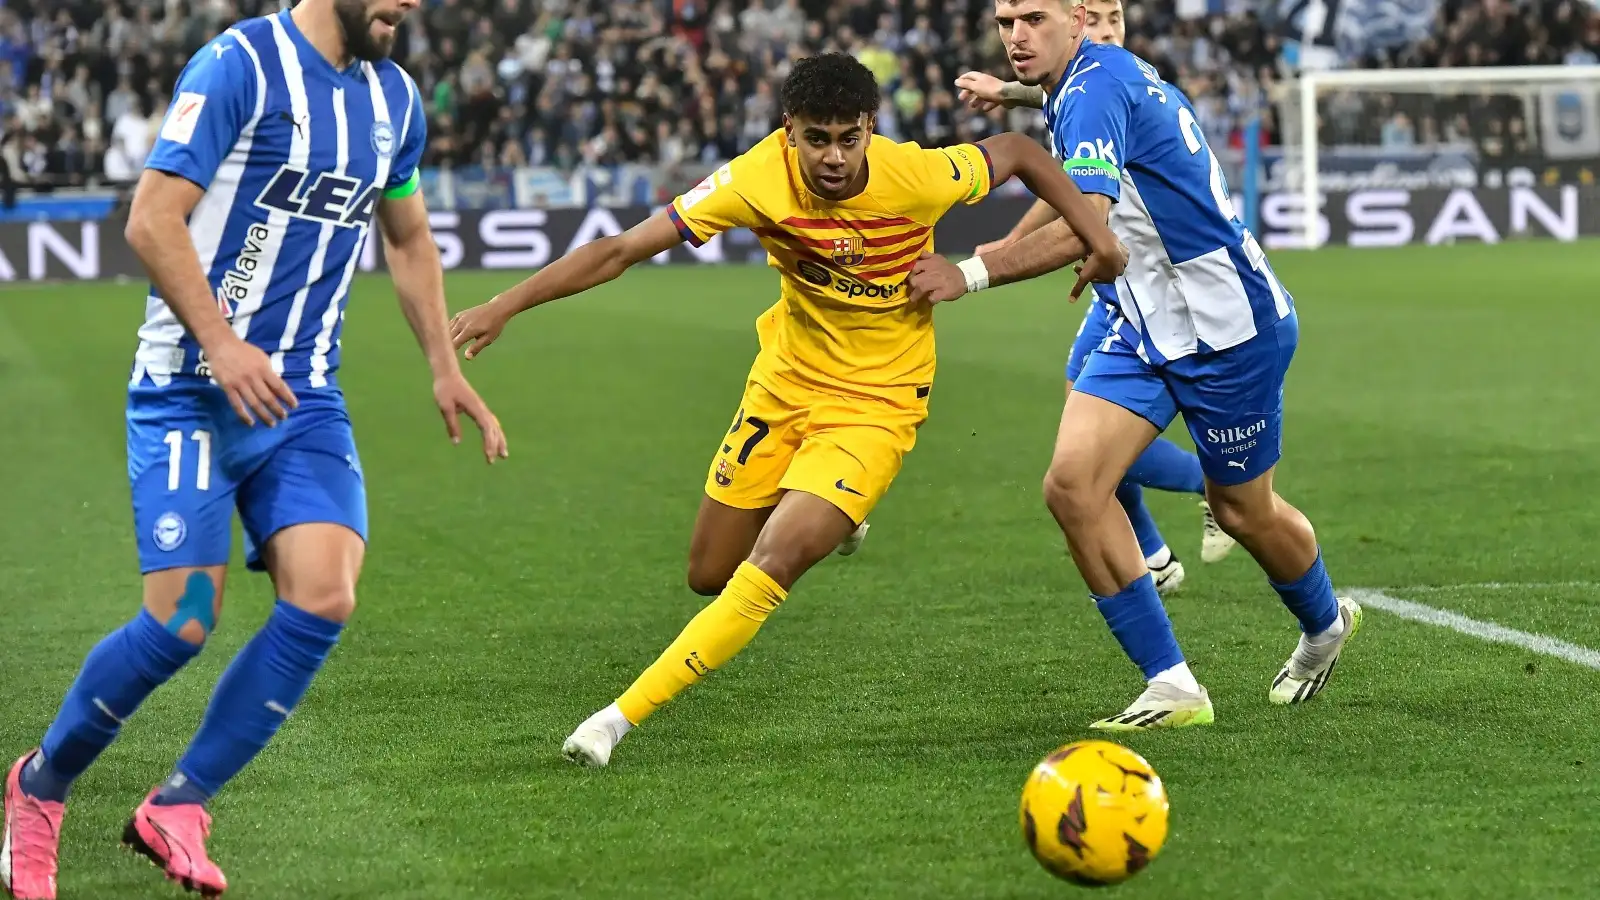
298 124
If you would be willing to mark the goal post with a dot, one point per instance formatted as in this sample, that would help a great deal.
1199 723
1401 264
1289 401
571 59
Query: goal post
1498 114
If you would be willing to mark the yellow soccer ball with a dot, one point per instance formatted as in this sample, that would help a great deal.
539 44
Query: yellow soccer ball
1094 813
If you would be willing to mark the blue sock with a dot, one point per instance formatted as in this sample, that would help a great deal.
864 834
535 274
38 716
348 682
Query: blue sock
1131 496
1140 624
117 675
261 687
1167 467
1311 598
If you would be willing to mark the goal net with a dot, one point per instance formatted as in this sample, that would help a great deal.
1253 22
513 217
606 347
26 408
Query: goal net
1392 156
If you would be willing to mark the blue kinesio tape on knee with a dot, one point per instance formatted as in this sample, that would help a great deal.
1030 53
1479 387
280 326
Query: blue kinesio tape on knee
198 604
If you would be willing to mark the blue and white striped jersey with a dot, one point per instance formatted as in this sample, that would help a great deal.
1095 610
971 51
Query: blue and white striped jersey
293 155
1197 281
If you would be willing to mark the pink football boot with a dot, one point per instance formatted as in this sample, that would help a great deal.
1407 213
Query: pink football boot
174 838
31 842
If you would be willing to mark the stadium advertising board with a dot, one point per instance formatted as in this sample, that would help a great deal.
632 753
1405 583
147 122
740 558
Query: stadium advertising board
1389 217
528 238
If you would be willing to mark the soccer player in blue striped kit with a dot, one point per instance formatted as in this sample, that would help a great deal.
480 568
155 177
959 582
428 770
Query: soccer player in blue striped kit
288 134
1163 465
1202 327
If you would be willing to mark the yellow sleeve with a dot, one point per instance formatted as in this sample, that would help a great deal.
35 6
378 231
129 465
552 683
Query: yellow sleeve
960 174
714 205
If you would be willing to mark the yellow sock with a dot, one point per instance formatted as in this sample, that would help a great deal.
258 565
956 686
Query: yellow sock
711 638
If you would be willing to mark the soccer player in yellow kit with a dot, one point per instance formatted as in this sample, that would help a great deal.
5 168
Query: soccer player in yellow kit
841 383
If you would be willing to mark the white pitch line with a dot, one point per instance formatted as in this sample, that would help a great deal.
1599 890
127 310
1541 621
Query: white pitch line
1487 631
1499 586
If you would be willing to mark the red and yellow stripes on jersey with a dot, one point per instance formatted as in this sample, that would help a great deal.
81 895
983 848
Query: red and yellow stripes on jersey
870 249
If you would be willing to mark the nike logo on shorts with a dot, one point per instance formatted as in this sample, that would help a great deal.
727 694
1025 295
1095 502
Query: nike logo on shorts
846 488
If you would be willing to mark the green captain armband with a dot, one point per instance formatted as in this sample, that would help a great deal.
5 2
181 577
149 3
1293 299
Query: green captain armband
404 189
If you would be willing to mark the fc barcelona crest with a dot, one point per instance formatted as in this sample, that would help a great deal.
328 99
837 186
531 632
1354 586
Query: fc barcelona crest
849 251
724 473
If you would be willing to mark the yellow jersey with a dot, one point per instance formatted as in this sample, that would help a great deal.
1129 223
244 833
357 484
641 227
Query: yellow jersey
842 321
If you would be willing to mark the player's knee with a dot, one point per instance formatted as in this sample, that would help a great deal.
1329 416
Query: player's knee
1241 515
333 601
1070 495
705 581
783 564
710 568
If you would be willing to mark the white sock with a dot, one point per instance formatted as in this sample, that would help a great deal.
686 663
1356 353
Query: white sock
1334 632
1179 677
612 720
1159 559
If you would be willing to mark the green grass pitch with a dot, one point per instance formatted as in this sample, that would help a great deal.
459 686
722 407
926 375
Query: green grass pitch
1443 429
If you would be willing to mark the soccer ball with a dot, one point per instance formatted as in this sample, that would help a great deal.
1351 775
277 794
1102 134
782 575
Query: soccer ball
1094 813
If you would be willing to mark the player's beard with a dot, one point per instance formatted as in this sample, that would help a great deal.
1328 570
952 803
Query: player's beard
358 37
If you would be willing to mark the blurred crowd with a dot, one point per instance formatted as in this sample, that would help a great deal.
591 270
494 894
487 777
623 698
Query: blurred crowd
1467 33
84 83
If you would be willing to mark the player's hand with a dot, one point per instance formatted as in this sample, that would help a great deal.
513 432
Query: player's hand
455 396
481 326
981 91
244 372
1101 266
934 279
992 246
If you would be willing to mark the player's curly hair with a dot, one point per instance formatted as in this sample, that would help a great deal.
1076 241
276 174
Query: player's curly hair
830 87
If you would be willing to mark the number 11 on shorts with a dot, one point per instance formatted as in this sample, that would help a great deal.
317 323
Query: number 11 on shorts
202 475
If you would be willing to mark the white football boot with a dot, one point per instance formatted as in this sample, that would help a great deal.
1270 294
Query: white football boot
1309 668
852 543
1215 544
591 744
1169 577
1162 705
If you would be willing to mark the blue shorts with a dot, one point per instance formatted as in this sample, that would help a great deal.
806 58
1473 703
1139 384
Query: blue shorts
191 462
1232 400
1091 334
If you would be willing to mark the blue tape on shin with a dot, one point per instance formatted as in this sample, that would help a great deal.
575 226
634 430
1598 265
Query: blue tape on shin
198 604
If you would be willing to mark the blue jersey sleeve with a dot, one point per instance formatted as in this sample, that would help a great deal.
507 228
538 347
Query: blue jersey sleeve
213 102
1093 132
403 179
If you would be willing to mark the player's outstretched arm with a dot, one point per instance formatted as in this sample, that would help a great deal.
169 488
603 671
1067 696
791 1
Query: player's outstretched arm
1052 247
158 232
935 279
588 266
1017 154
983 92
1038 216
413 260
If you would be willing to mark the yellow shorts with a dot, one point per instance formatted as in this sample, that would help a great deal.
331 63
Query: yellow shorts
791 437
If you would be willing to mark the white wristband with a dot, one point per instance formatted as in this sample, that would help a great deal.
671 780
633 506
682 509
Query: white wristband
977 274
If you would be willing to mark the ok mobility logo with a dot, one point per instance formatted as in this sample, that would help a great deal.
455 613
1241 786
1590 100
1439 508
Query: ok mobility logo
1090 158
